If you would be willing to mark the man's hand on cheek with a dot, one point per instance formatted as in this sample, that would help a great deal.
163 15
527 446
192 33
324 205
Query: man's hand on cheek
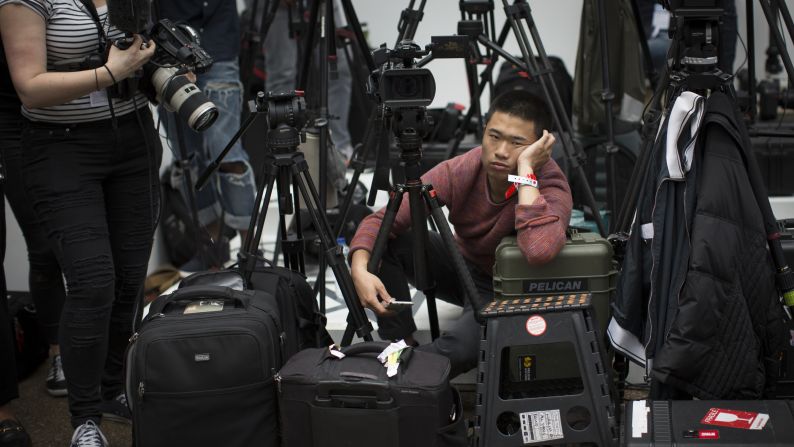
536 154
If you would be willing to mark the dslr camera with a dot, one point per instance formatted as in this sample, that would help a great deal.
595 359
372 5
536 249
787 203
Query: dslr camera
178 51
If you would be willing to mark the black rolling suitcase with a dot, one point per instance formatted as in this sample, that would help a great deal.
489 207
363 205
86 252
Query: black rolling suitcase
708 423
200 370
325 401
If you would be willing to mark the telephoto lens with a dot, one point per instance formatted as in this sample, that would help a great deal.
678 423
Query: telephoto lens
180 95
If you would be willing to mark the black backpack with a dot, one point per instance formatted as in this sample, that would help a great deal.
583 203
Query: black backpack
301 320
29 340
179 233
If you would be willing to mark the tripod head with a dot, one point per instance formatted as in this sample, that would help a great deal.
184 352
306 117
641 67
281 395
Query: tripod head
286 117
695 28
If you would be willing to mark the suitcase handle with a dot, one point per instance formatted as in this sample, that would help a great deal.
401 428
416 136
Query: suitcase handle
198 293
376 347
362 392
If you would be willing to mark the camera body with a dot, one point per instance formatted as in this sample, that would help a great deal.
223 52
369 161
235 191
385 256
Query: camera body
398 83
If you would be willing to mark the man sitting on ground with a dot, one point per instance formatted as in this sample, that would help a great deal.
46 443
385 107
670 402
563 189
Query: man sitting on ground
483 207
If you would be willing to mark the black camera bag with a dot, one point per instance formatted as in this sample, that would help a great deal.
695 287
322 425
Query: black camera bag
199 373
302 323
325 401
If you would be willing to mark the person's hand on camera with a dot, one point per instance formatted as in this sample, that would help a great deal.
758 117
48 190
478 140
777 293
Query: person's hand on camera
123 63
368 288
536 154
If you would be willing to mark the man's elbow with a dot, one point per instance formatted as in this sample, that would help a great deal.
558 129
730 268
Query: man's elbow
540 253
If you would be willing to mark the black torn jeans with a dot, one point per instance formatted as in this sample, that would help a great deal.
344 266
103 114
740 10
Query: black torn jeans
95 190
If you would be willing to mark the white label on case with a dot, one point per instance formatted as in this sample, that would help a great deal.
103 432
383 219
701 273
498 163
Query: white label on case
541 426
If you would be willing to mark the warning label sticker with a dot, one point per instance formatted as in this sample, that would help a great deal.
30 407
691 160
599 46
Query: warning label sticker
541 426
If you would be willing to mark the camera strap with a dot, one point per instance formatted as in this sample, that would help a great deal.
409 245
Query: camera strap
89 5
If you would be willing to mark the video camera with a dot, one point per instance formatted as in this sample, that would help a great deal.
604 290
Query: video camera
398 83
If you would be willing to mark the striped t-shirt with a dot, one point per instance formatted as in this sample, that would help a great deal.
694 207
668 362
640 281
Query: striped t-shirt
72 33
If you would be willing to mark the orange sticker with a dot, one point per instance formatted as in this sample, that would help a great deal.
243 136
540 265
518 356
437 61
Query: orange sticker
536 325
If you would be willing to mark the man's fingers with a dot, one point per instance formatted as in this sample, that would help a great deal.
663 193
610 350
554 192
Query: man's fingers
383 293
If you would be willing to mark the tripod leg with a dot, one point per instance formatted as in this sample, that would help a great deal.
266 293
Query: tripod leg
332 252
432 312
449 242
252 242
395 199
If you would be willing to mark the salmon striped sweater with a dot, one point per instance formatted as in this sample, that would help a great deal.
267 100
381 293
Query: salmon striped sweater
480 223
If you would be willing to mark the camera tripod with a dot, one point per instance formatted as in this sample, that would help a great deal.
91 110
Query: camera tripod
410 126
285 167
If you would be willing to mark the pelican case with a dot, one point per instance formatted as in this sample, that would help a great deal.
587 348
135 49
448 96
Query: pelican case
325 401
583 265
708 423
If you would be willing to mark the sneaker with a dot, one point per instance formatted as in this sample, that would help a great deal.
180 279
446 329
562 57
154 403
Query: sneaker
13 434
88 435
116 409
56 381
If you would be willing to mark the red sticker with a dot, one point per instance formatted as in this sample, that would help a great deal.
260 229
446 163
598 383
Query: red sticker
536 325
708 434
735 419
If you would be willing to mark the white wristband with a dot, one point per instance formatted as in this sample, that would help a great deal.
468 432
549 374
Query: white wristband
522 180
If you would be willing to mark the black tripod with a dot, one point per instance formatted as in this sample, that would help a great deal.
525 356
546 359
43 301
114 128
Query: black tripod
286 168
409 126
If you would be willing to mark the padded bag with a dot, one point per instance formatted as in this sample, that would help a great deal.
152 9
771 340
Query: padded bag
302 323
325 401
200 369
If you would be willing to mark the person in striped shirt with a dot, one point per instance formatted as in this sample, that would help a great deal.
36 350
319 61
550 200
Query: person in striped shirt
483 208
90 167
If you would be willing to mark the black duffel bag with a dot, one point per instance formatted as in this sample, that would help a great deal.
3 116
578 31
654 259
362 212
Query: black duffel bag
199 371
325 401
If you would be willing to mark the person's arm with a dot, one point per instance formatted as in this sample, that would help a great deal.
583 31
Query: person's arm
24 39
542 213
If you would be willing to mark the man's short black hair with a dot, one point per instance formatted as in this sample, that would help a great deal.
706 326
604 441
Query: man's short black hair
524 105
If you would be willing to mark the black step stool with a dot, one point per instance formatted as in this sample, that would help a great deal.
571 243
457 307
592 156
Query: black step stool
542 378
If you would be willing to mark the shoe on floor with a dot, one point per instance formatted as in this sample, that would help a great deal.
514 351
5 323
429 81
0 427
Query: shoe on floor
88 435
116 409
13 434
56 381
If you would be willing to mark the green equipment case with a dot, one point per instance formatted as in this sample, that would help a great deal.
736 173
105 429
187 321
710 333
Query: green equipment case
583 265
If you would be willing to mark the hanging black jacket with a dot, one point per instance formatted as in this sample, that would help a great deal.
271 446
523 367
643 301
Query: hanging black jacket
697 298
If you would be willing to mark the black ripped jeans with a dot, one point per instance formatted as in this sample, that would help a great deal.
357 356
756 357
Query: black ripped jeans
44 278
95 190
